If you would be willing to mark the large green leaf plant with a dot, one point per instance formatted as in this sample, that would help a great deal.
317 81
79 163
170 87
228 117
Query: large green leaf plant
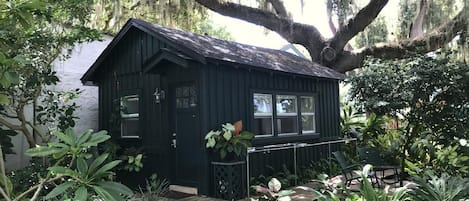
76 173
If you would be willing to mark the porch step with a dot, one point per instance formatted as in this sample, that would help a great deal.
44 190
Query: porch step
183 189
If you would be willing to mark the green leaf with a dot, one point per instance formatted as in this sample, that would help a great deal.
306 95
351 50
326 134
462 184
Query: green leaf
222 153
42 151
96 138
81 194
8 184
103 171
84 137
59 170
4 100
64 138
82 166
12 77
116 187
97 162
59 190
105 195
5 82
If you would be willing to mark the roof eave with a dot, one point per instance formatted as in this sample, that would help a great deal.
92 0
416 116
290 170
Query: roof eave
338 77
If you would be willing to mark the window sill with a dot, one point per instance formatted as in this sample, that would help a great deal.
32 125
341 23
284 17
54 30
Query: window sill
266 140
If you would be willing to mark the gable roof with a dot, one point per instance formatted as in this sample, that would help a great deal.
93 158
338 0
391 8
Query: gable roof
203 48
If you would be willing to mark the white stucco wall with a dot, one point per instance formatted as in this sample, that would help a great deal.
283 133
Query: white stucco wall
69 72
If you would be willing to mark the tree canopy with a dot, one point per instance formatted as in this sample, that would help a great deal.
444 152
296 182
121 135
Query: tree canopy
446 23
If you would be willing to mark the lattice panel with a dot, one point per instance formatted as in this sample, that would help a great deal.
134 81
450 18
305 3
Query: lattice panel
229 180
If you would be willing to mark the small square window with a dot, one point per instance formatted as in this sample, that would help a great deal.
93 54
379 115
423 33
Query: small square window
263 126
129 106
130 128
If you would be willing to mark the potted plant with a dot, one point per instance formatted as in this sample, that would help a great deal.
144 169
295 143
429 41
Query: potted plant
229 142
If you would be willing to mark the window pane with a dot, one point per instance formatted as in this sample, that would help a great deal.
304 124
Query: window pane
262 104
308 122
129 127
129 105
286 105
287 125
263 126
307 104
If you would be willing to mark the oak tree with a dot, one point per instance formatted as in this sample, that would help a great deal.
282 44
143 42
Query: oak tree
335 52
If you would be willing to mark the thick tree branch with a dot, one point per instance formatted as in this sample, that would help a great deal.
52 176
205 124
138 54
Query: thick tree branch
357 24
279 7
431 41
306 35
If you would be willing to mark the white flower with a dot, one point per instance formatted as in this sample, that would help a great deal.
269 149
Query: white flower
463 142
275 185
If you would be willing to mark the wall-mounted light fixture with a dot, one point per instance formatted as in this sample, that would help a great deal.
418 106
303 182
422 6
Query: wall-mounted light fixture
159 95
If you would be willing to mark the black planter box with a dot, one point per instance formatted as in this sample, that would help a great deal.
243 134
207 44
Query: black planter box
229 180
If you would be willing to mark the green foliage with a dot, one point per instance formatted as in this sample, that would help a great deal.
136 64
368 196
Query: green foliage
132 158
430 94
230 140
286 177
33 34
440 187
89 177
207 27
84 176
374 33
273 192
110 15
70 144
28 176
337 191
155 189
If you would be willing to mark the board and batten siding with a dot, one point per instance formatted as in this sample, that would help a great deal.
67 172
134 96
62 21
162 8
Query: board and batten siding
121 73
229 92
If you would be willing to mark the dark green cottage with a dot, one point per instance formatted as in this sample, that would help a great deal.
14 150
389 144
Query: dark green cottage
176 86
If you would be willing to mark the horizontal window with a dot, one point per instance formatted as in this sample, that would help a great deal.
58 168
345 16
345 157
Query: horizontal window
294 114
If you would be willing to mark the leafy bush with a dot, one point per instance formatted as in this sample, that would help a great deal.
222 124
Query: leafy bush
429 94
440 188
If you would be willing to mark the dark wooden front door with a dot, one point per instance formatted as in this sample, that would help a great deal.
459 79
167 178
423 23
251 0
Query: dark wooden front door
185 136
